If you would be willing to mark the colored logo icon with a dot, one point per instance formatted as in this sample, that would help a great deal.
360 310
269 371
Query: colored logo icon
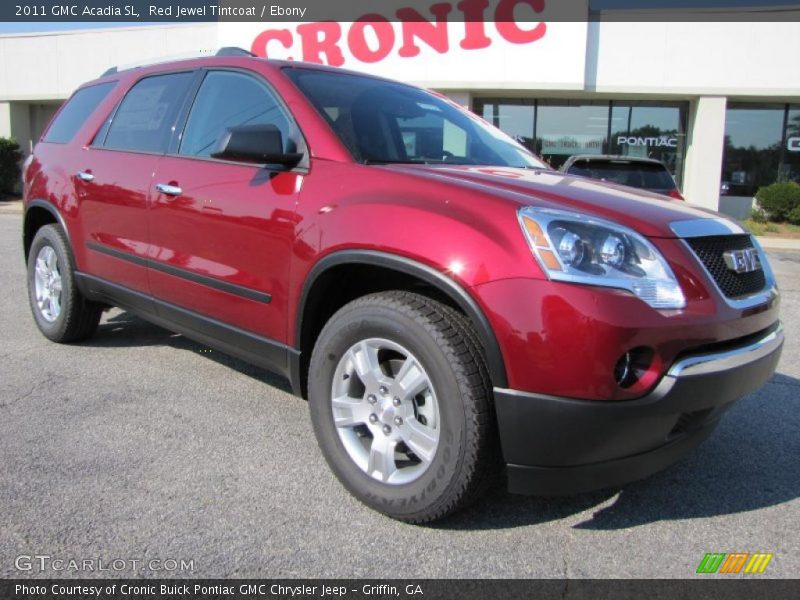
733 563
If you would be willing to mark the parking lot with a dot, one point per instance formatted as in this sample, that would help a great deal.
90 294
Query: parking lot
140 445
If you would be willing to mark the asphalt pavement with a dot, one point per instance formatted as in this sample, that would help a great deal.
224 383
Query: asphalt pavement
142 447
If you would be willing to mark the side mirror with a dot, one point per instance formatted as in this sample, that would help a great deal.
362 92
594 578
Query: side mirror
261 144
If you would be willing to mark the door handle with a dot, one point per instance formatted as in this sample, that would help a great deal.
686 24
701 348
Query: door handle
169 190
85 176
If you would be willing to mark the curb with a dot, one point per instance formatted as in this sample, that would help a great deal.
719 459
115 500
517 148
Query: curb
13 207
771 243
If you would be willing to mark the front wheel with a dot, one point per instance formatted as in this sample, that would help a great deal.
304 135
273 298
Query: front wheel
401 405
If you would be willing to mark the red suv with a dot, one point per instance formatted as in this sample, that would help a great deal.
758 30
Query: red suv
452 308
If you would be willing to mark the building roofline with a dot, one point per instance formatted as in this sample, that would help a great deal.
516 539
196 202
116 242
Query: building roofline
26 34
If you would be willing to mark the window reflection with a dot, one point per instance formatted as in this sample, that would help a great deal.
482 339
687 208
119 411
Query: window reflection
649 130
516 120
568 128
752 150
558 129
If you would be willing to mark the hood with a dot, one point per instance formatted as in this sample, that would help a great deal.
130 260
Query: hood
647 213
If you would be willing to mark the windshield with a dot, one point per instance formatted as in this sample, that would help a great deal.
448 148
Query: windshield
648 176
385 122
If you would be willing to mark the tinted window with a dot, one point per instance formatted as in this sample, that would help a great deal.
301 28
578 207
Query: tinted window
382 121
517 120
753 149
650 130
227 99
567 128
143 122
639 175
76 111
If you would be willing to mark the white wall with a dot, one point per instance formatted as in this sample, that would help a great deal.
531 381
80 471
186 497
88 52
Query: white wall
689 59
50 66
724 59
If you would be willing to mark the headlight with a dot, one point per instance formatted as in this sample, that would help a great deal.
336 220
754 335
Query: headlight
582 249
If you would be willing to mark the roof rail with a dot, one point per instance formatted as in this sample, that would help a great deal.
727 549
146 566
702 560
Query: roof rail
234 51
226 51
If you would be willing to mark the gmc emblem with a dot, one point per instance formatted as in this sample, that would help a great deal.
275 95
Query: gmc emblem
742 261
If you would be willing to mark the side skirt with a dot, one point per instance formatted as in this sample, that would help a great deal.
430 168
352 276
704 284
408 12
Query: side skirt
257 350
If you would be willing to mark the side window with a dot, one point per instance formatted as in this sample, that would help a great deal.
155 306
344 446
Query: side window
227 99
144 120
75 112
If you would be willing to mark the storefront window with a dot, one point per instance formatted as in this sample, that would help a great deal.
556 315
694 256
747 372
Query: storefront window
567 128
649 130
516 120
558 129
753 147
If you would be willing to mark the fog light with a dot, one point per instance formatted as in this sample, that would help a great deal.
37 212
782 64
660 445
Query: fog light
632 365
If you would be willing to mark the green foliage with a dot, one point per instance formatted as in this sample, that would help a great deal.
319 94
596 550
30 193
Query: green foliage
759 215
779 199
755 227
10 155
794 216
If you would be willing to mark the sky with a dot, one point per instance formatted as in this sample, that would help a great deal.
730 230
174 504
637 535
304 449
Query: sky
11 27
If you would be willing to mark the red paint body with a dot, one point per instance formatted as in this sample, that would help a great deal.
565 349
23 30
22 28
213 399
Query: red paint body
265 232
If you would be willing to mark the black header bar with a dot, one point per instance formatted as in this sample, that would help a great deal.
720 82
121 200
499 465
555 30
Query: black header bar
183 11
708 587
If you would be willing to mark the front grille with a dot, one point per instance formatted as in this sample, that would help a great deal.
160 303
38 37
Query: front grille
710 249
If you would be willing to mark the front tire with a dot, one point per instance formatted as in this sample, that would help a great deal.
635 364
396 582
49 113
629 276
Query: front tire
59 309
400 401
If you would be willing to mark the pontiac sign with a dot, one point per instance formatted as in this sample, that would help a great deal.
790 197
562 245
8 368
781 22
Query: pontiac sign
653 142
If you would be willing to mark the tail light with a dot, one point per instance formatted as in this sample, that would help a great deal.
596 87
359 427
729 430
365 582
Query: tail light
675 194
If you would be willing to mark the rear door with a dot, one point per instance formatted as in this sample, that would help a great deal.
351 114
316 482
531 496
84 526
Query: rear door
114 176
222 231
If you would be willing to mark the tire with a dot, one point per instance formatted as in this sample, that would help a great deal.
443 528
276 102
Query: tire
61 312
426 367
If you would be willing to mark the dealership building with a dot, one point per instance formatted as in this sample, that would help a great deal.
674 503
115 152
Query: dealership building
717 102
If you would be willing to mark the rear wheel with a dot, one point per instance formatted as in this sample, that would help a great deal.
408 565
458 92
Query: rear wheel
401 406
59 309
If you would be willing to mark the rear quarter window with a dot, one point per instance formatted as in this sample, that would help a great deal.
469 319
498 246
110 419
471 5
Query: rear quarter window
75 112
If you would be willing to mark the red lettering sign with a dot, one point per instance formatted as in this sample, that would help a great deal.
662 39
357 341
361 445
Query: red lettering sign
372 38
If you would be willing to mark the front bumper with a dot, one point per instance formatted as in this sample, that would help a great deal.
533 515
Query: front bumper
558 445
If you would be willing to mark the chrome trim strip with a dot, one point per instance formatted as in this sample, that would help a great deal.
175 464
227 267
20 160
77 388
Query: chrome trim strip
717 362
703 227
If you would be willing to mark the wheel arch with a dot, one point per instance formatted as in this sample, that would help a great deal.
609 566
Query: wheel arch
322 279
39 213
